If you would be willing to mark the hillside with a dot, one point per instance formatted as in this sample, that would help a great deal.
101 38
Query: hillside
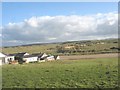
68 48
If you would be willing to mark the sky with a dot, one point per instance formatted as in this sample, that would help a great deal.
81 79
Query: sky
44 22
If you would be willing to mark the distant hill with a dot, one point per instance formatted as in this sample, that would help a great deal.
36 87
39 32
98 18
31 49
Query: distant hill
68 48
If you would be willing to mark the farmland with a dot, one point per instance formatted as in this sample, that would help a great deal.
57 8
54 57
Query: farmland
82 64
83 73
68 48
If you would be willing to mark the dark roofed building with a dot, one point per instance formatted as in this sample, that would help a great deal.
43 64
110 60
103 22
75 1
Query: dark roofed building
19 56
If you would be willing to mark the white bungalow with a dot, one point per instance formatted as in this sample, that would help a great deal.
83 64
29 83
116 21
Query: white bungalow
5 59
50 58
30 58
9 57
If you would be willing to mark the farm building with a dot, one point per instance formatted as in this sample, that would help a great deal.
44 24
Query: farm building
41 56
19 56
10 57
27 58
50 58
30 58
36 57
5 59
56 57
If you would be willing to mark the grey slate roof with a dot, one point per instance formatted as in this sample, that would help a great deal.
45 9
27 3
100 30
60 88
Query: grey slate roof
27 56
39 55
21 54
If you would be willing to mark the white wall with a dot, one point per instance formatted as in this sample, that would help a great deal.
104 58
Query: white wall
41 60
30 59
7 58
50 58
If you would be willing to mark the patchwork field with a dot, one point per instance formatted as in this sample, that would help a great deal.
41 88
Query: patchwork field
83 73
68 48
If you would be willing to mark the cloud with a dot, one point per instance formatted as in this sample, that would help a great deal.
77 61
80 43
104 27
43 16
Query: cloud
61 28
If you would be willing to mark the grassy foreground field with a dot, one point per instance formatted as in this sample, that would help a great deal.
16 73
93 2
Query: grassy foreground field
90 73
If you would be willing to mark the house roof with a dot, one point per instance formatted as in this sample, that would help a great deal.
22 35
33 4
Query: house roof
11 54
38 54
2 55
27 56
20 54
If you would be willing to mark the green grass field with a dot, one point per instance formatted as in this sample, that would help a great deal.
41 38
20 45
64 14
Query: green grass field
91 73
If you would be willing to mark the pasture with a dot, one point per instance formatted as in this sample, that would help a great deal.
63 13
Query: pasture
83 73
